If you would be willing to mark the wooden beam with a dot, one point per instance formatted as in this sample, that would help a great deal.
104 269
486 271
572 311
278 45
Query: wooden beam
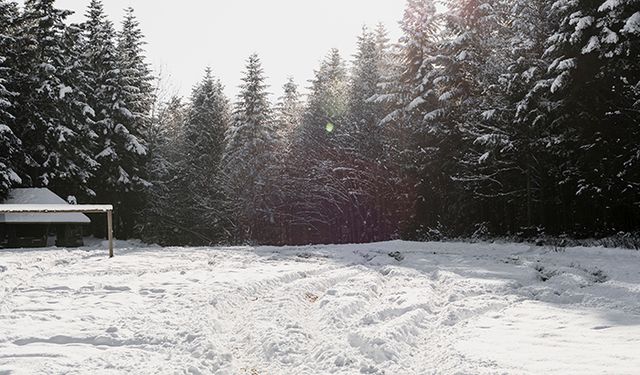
110 231
54 208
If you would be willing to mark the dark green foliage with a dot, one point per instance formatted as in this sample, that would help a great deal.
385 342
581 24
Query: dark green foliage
534 121
50 109
11 153
250 159
125 98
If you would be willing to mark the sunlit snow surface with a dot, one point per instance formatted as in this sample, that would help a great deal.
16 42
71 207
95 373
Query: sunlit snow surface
430 308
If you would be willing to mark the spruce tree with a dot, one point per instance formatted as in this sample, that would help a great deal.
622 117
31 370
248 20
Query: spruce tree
126 94
250 158
515 161
288 117
288 112
420 111
51 110
135 76
100 68
200 171
327 103
10 146
369 171
364 114
164 212
315 152
595 50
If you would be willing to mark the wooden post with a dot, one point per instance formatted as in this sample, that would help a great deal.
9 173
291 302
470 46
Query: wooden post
110 231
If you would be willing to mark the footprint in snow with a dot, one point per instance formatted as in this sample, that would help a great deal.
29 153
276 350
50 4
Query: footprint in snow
397 256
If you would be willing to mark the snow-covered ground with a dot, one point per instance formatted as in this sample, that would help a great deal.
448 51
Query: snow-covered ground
388 308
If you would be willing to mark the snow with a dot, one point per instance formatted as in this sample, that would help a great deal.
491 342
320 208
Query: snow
488 114
434 114
5 129
609 36
13 176
124 176
563 64
592 45
64 90
559 82
108 152
48 67
55 208
87 110
484 157
632 26
609 5
446 96
134 145
582 23
392 308
41 199
415 103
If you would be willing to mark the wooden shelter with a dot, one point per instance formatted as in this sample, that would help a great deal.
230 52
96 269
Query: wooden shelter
28 215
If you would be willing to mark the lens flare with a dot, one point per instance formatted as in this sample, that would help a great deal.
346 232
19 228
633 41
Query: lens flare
329 128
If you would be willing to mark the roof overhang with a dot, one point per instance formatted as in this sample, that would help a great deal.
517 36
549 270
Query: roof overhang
42 206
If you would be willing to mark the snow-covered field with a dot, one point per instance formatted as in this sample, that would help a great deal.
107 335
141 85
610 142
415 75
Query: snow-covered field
388 308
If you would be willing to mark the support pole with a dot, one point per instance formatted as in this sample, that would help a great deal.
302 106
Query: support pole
110 231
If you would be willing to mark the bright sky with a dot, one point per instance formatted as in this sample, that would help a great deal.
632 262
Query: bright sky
291 36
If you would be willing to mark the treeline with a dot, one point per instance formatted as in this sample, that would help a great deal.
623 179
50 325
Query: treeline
495 117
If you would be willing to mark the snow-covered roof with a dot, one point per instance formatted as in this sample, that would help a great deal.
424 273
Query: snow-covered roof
44 198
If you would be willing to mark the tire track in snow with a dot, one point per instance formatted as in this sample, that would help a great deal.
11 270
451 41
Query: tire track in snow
357 335
263 334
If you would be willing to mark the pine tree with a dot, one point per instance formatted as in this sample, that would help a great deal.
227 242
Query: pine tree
126 93
50 109
100 68
595 50
250 157
10 146
369 171
383 50
396 189
187 202
327 103
288 117
288 112
514 161
315 152
135 75
162 215
420 39
201 169
466 85
420 110
363 114
80 111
